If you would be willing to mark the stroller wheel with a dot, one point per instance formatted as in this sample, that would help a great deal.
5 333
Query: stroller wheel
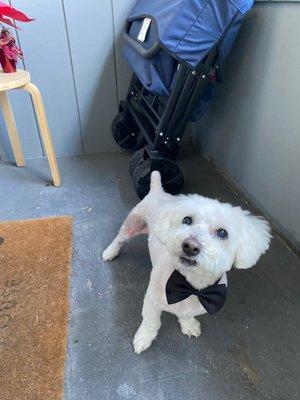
138 157
125 131
172 177
170 151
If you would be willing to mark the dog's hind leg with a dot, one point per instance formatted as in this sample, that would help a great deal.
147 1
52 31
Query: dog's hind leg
134 225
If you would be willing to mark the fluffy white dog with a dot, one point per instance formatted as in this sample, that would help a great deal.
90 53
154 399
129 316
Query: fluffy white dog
193 241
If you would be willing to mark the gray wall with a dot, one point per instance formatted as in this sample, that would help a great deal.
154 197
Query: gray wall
71 55
252 131
73 52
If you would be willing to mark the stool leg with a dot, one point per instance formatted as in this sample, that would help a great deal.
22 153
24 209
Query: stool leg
12 129
44 130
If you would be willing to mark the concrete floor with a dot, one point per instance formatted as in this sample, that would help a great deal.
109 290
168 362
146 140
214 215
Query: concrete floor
247 351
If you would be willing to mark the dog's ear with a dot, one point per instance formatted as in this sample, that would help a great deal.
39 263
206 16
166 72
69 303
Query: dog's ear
254 240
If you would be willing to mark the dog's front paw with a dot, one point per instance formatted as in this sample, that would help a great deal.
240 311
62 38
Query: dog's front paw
143 339
190 327
111 252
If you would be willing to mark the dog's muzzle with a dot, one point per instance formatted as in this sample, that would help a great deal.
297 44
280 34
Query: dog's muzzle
188 261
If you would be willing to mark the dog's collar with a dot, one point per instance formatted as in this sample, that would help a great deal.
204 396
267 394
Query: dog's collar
212 297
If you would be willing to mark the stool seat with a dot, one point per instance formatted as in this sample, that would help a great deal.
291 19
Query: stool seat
13 80
21 80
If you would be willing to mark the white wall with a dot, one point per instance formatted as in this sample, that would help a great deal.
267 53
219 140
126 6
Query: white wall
252 131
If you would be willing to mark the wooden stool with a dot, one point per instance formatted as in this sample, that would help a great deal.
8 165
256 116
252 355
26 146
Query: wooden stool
21 80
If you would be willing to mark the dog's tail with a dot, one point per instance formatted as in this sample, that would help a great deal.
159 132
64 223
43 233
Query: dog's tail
156 185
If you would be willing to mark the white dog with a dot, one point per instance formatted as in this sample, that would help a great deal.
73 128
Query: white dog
193 241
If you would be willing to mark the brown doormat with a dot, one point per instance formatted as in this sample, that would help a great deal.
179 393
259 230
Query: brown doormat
34 277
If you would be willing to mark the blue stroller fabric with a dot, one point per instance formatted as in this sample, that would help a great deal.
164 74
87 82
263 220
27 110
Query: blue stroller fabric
186 31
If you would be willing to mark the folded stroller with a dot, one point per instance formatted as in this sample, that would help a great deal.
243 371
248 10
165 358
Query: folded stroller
176 49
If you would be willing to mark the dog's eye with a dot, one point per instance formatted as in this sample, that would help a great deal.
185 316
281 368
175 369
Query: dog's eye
221 233
187 220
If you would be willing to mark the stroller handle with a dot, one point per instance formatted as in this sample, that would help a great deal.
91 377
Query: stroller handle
145 53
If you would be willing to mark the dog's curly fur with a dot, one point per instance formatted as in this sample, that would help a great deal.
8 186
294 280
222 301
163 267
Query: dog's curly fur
160 215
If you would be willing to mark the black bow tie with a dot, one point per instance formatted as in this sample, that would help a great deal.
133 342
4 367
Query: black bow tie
212 297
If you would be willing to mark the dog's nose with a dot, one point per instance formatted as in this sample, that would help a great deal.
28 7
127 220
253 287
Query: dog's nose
191 247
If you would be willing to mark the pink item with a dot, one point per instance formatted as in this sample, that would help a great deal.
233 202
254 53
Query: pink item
10 12
9 52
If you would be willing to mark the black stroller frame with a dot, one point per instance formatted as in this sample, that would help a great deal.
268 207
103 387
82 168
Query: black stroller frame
154 125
